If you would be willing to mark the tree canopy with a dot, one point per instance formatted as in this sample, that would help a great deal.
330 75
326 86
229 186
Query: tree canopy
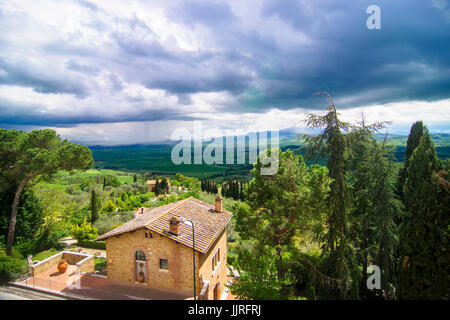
25 156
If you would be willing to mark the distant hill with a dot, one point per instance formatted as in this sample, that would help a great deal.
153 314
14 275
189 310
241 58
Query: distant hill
439 139
156 159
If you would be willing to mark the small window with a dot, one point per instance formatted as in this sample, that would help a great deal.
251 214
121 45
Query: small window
163 264
140 256
146 235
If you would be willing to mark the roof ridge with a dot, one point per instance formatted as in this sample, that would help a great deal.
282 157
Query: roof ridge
180 202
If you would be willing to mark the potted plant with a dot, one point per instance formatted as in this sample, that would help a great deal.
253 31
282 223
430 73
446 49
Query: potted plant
141 277
62 265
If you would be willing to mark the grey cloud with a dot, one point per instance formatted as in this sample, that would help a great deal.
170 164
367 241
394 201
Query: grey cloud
25 75
73 65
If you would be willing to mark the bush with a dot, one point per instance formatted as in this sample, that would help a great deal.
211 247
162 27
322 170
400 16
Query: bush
85 231
47 240
115 226
100 245
10 268
108 207
26 248
80 215
15 253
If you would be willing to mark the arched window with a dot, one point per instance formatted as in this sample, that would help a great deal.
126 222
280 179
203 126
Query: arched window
140 256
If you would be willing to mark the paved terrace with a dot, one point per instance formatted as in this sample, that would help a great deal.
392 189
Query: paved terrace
95 287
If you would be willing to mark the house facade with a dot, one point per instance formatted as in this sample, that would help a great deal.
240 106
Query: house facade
156 248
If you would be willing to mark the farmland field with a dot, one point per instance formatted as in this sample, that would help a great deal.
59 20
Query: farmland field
156 159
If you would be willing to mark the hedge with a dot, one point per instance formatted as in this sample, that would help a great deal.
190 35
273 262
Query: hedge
101 245
10 268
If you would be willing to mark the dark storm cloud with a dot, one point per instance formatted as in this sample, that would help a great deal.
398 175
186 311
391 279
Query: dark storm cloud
25 75
34 114
406 60
262 68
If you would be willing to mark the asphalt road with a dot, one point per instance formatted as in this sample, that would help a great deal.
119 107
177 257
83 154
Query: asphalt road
14 293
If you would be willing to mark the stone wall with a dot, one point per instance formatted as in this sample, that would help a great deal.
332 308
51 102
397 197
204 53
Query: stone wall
87 265
46 264
220 274
73 257
84 261
120 254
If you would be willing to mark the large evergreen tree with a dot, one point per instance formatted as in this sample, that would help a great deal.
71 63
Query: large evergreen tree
384 209
423 245
281 208
416 132
26 156
29 213
334 143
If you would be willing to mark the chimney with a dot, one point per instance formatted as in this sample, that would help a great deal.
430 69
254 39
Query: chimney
174 226
219 204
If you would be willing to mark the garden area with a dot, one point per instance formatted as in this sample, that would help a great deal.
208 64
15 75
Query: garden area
80 207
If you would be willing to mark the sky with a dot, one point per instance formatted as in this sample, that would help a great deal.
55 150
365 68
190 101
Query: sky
127 72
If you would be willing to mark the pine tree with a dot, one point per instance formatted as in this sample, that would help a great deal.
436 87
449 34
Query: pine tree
360 163
423 246
332 142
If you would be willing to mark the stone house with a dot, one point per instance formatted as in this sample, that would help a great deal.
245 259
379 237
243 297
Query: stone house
156 248
152 184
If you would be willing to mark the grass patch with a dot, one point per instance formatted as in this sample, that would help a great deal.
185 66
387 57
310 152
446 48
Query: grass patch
45 254
99 264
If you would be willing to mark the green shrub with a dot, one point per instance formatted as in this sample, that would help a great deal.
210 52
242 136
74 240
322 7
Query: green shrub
115 226
100 245
10 268
50 239
80 215
107 221
26 248
108 207
85 231
15 253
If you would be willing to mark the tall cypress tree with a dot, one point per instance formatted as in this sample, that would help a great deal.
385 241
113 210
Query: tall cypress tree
416 132
157 187
423 246
94 206
384 208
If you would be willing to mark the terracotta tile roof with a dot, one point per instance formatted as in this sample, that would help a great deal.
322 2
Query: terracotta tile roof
209 223
139 222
